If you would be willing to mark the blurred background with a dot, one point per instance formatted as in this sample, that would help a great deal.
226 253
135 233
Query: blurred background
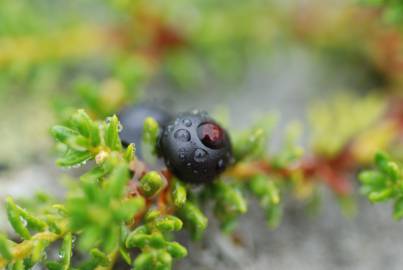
333 66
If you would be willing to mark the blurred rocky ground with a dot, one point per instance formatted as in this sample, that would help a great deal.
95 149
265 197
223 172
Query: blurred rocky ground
328 240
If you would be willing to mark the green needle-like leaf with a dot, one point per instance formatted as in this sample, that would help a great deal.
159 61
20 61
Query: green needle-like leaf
5 251
179 193
151 183
150 130
112 134
72 158
16 220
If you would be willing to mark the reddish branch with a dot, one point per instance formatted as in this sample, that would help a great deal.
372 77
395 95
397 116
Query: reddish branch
336 171
162 200
148 35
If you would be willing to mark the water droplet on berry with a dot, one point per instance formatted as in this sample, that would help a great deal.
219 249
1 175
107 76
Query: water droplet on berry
189 164
182 135
182 153
200 155
220 164
187 122
170 128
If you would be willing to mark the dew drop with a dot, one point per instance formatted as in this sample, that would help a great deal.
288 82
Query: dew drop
200 155
170 128
74 240
187 122
182 135
23 221
220 164
203 114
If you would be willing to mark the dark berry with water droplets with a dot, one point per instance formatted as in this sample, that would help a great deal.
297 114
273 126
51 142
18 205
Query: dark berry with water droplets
195 148
132 120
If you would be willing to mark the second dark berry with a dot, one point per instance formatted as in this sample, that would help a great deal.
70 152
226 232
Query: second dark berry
132 119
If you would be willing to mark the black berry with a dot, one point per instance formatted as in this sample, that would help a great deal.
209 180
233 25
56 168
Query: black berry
195 148
132 120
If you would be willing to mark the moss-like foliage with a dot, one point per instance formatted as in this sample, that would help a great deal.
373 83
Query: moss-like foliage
384 183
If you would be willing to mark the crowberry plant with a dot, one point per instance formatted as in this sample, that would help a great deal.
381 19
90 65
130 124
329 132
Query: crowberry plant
119 204
123 206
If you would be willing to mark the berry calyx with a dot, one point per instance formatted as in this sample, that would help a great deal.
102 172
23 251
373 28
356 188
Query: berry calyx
195 147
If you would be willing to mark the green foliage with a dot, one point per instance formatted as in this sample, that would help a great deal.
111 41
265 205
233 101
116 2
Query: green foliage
37 232
332 128
193 219
5 251
152 239
151 184
108 212
252 143
65 254
384 183
268 194
101 209
229 204
179 193
118 204
96 208
290 151
114 206
81 138
150 131
392 11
